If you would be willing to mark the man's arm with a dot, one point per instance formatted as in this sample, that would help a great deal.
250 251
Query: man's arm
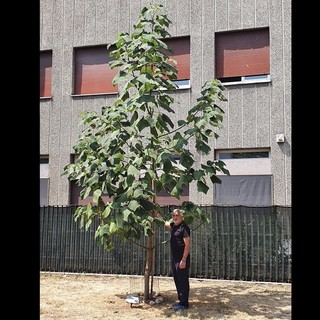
186 251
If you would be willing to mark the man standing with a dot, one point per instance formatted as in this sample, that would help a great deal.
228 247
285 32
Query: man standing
180 257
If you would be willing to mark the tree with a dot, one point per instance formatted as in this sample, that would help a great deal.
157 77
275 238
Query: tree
128 152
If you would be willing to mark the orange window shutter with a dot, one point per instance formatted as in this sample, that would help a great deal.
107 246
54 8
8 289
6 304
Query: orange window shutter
242 53
181 53
93 74
45 73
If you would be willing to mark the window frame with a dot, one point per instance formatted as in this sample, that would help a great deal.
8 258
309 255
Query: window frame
248 80
96 59
255 168
247 189
44 180
182 83
243 49
45 66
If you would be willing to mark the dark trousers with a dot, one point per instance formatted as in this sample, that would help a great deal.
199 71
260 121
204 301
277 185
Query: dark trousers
181 280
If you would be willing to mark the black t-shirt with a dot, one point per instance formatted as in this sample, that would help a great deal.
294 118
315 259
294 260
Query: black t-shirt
178 232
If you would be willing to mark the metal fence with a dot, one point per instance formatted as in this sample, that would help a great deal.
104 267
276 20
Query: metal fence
239 243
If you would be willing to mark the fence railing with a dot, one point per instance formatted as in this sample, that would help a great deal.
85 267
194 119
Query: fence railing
239 243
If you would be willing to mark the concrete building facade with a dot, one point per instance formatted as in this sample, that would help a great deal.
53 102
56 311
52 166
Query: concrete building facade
257 117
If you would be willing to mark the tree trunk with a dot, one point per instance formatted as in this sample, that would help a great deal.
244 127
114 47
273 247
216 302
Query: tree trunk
148 269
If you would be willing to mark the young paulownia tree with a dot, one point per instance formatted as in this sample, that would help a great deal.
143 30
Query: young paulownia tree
129 151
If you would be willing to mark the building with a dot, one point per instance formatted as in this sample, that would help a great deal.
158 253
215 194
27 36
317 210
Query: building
245 44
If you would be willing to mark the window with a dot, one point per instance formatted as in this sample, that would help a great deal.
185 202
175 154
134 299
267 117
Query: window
45 73
243 56
244 190
44 188
243 155
250 180
44 180
181 54
92 74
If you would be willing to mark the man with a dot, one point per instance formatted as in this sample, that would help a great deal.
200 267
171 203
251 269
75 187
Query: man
180 257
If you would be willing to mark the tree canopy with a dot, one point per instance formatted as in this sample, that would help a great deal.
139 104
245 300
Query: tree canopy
134 149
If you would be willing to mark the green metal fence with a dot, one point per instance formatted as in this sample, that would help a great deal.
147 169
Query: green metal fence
239 243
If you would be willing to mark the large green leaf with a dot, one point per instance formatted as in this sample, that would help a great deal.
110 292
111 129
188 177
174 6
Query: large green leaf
186 160
113 228
198 174
133 205
167 165
132 170
126 213
96 195
106 212
166 119
202 187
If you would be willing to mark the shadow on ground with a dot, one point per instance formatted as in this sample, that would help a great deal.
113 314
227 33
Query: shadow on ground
207 301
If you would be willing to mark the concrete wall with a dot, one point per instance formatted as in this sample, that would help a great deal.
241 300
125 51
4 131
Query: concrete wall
254 113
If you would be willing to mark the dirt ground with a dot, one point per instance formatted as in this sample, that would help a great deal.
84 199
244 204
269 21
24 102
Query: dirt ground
87 296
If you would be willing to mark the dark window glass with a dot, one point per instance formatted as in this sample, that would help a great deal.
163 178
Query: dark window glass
44 159
243 155
44 183
255 190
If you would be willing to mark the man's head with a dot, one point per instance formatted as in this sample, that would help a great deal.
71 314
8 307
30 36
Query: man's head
177 216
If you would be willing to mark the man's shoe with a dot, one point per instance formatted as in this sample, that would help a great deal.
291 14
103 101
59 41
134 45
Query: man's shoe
179 307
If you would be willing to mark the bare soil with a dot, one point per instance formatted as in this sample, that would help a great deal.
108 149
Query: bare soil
87 296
